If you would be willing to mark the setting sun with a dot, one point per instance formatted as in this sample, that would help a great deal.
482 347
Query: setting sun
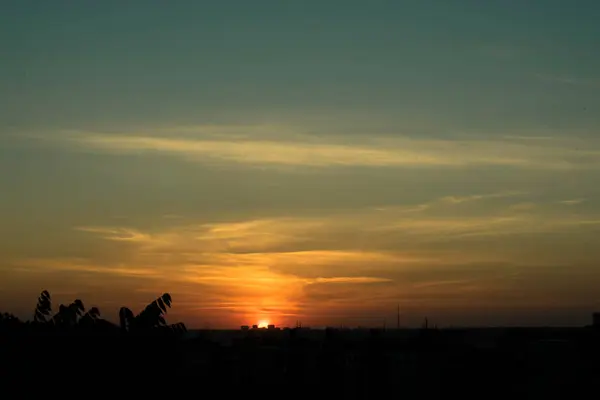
263 323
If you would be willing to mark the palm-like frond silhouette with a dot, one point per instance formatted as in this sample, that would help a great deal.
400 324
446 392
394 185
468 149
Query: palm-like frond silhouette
68 316
74 316
43 308
126 318
90 317
152 316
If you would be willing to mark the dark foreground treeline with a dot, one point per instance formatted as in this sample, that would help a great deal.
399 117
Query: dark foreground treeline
430 363
143 355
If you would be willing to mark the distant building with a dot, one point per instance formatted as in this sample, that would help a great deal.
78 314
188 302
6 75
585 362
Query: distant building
245 327
254 326
271 327
596 319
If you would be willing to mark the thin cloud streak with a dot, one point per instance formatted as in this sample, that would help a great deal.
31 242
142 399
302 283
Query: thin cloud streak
352 279
572 202
86 266
442 202
432 221
118 234
310 151
477 197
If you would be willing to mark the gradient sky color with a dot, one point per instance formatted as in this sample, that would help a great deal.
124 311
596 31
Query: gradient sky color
320 161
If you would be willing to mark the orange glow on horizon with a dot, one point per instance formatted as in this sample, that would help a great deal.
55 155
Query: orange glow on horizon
263 323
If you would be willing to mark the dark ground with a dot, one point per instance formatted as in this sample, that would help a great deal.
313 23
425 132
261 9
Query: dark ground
501 363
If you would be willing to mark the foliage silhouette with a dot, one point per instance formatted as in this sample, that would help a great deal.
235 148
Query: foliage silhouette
90 318
151 318
73 317
8 321
43 308
125 318
69 316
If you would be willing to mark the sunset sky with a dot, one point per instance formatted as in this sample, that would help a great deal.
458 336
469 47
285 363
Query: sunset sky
321 161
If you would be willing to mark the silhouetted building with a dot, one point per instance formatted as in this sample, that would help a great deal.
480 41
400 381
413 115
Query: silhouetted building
254 326
271 327
245 327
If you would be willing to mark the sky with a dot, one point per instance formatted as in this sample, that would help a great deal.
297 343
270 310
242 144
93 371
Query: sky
317 161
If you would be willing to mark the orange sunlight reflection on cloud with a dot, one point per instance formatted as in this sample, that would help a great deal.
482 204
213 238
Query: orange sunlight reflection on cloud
250 293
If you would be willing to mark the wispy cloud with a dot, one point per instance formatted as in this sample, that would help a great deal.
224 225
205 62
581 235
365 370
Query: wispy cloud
443 203
285 266
325 237
293 149
525 206
477 197
351 279
450 282
456 229
572 202
118 234
81 265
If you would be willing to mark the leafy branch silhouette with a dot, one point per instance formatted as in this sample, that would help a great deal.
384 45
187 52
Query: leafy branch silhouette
73 316
68 316
90 318
43 308
150 318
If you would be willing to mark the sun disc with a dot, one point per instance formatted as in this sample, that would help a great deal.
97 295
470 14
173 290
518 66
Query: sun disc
263 323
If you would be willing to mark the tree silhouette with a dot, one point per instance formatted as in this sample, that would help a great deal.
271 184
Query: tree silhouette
152 317
68 316
90 318
74 316
126 318
43 308
8 321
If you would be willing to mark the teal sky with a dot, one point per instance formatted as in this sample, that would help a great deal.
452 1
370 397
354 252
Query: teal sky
316 160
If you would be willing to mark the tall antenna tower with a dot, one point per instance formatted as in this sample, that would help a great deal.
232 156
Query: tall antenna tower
398 318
